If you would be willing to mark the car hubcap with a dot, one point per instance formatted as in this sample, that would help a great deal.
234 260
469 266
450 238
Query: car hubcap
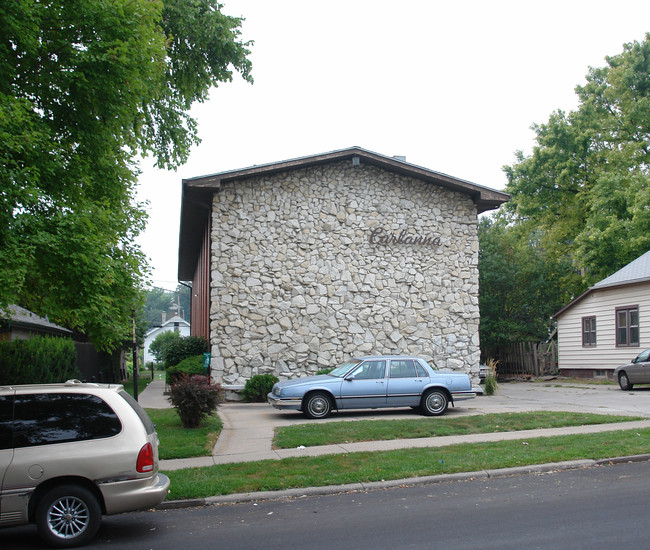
318 406
435 402
68 517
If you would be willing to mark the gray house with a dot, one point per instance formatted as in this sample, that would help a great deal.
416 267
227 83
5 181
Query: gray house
608 325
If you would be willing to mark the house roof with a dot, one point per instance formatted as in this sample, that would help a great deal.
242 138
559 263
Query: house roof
23 318
197 192
169 322
635 272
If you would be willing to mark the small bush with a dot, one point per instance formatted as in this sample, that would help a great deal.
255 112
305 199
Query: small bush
158 347
182 348
190 366
491 378
257 388
194 398
325 371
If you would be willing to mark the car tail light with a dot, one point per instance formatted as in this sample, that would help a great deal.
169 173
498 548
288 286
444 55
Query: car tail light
145 459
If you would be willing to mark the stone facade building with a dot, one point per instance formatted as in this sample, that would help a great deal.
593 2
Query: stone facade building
302 264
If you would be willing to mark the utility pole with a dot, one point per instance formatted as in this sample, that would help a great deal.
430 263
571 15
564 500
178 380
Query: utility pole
135 362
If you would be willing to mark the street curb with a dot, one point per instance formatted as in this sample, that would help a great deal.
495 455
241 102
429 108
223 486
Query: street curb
407 482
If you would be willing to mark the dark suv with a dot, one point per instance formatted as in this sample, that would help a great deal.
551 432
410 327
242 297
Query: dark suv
72 452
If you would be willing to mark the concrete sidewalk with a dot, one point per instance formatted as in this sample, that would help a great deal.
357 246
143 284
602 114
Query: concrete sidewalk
248 428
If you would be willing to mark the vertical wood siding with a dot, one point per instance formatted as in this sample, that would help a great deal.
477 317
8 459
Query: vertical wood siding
200 317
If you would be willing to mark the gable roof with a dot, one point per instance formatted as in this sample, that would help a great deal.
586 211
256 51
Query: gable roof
168 323
197 192
637 271
634 272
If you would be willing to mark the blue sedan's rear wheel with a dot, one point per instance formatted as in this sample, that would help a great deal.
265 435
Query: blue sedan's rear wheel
317 405
434 403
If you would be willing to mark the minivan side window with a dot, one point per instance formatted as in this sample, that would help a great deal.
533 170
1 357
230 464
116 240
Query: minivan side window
46 418
6 421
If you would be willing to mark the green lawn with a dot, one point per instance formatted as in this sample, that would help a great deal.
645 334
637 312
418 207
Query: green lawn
179 442
330 433
404 463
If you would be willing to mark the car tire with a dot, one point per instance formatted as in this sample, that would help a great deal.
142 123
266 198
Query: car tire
317 405
624 381
434 403
68 515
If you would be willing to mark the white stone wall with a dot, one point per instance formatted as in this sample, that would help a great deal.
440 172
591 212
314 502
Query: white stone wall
298 284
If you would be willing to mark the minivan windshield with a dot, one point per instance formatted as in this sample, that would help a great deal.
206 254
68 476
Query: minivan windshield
342 370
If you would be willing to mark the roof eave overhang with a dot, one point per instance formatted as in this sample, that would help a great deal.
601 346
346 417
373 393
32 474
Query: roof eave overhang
599 287
197 193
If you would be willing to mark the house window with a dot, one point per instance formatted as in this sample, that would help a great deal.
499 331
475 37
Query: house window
627 326
589 331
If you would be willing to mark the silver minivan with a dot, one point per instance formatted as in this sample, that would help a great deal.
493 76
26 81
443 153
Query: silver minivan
70 453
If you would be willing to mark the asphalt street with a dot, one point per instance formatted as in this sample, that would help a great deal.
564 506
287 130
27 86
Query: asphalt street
588 509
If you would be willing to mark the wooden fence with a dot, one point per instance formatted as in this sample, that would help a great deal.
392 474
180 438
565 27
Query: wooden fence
524 358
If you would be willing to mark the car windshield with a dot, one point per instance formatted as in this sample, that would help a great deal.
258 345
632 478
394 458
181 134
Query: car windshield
342 370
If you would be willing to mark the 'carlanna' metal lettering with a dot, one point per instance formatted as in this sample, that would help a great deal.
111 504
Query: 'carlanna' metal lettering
380 236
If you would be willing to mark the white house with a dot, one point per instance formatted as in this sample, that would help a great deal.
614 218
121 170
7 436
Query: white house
176 323
608 325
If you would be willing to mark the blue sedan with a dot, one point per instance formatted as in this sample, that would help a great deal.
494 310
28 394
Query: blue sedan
372 383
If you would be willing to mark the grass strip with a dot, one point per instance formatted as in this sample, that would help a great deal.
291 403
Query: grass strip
320 471
179 442
331 433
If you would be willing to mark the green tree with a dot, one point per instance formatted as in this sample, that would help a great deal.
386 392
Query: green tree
86 87
585 187
518 284
157 302
164 340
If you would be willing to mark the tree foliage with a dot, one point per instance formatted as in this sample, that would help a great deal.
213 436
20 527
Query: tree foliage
518 285
86 87
158 347
586 186
580 203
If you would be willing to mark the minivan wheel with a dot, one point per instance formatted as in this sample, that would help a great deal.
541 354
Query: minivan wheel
68 515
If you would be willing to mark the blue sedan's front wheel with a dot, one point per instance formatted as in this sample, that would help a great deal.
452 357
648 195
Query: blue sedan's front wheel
317 405
434 403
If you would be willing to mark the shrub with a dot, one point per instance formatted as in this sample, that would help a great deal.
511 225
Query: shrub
190 366
158 347
257 388
491 378
194 398
182 348
38 360
325 370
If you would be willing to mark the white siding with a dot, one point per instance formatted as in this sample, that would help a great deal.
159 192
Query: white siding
602 304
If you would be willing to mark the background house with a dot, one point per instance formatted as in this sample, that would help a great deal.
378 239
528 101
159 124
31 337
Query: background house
608 325
18 323
302 264
176 323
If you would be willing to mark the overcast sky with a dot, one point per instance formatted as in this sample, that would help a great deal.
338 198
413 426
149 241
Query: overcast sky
453 86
